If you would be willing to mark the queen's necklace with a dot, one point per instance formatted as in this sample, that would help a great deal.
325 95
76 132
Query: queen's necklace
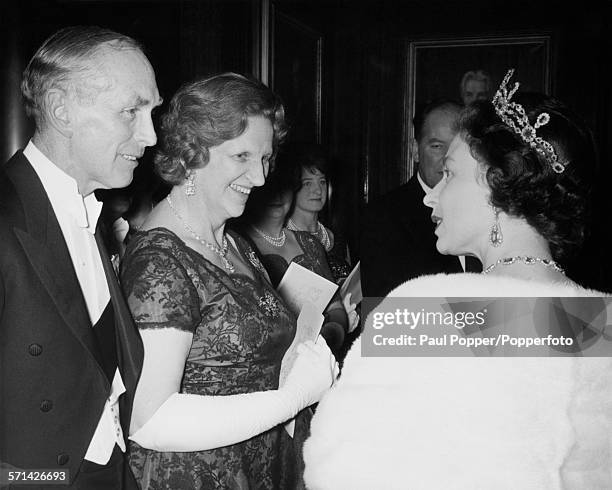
221 252
278 241
525 259
321 233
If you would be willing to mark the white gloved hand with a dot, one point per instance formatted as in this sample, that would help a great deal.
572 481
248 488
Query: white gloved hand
187 422
313 372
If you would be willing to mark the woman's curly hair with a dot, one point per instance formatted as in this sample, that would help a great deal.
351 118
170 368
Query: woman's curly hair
522 182
207 112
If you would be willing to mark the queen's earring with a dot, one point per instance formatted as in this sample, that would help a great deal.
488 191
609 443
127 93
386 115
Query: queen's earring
190 184
496 237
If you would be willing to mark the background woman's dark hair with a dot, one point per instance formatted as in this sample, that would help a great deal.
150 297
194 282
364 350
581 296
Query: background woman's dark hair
297 156
207 112
277 183
523 183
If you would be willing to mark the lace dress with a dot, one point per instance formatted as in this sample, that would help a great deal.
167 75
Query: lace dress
241 330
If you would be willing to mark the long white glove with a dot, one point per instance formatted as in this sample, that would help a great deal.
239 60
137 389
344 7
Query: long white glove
198 423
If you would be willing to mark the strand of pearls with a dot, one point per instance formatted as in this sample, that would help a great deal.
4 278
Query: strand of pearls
321 233
278 241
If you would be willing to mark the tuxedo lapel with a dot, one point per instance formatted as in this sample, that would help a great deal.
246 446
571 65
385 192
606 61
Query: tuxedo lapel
42 241
58 278
422 212
412 210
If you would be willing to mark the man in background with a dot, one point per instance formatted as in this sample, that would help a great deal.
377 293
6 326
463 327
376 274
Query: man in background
71 355
475 85
398 241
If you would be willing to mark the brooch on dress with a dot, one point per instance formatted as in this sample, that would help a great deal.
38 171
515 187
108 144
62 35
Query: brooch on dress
269 304
253 259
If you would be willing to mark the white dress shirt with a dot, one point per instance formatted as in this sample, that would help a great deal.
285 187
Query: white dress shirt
77 217
427 190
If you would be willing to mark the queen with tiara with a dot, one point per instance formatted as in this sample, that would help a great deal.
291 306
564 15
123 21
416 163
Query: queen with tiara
514 195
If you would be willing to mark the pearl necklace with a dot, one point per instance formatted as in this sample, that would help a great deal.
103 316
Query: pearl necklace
525 259
221 252
278 241
321 233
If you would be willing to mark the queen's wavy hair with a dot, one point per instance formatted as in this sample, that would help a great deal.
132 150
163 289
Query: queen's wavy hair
523 183
67 60
207 112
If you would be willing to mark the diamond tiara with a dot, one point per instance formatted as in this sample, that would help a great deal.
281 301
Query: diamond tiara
513 115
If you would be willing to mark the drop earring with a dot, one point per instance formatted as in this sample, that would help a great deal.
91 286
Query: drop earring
496 237
190 184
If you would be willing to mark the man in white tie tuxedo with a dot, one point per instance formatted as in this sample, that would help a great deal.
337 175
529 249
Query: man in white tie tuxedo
71 355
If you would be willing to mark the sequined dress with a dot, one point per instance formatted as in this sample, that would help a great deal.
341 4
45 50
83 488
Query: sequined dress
241 330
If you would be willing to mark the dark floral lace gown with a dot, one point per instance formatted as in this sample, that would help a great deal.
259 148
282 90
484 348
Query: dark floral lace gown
241 330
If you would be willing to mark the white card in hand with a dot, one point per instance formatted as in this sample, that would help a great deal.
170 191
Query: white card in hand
309 325
300 285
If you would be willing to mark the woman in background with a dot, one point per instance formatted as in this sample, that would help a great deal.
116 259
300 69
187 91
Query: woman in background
515 194
309 173
265 219
208 406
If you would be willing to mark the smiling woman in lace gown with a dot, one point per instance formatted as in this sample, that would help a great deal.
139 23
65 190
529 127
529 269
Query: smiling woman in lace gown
208 406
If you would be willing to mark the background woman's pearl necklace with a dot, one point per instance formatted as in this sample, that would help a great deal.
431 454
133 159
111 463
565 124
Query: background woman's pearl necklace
278 241
321 233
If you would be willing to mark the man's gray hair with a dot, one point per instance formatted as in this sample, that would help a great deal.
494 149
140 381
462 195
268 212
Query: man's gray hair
64 59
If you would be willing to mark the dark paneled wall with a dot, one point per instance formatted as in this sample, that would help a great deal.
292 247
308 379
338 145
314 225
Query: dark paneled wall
215 36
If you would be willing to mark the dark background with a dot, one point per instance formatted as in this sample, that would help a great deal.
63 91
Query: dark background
363 64
439 69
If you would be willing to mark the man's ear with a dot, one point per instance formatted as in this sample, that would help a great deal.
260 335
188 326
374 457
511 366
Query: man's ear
415 150
57 108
